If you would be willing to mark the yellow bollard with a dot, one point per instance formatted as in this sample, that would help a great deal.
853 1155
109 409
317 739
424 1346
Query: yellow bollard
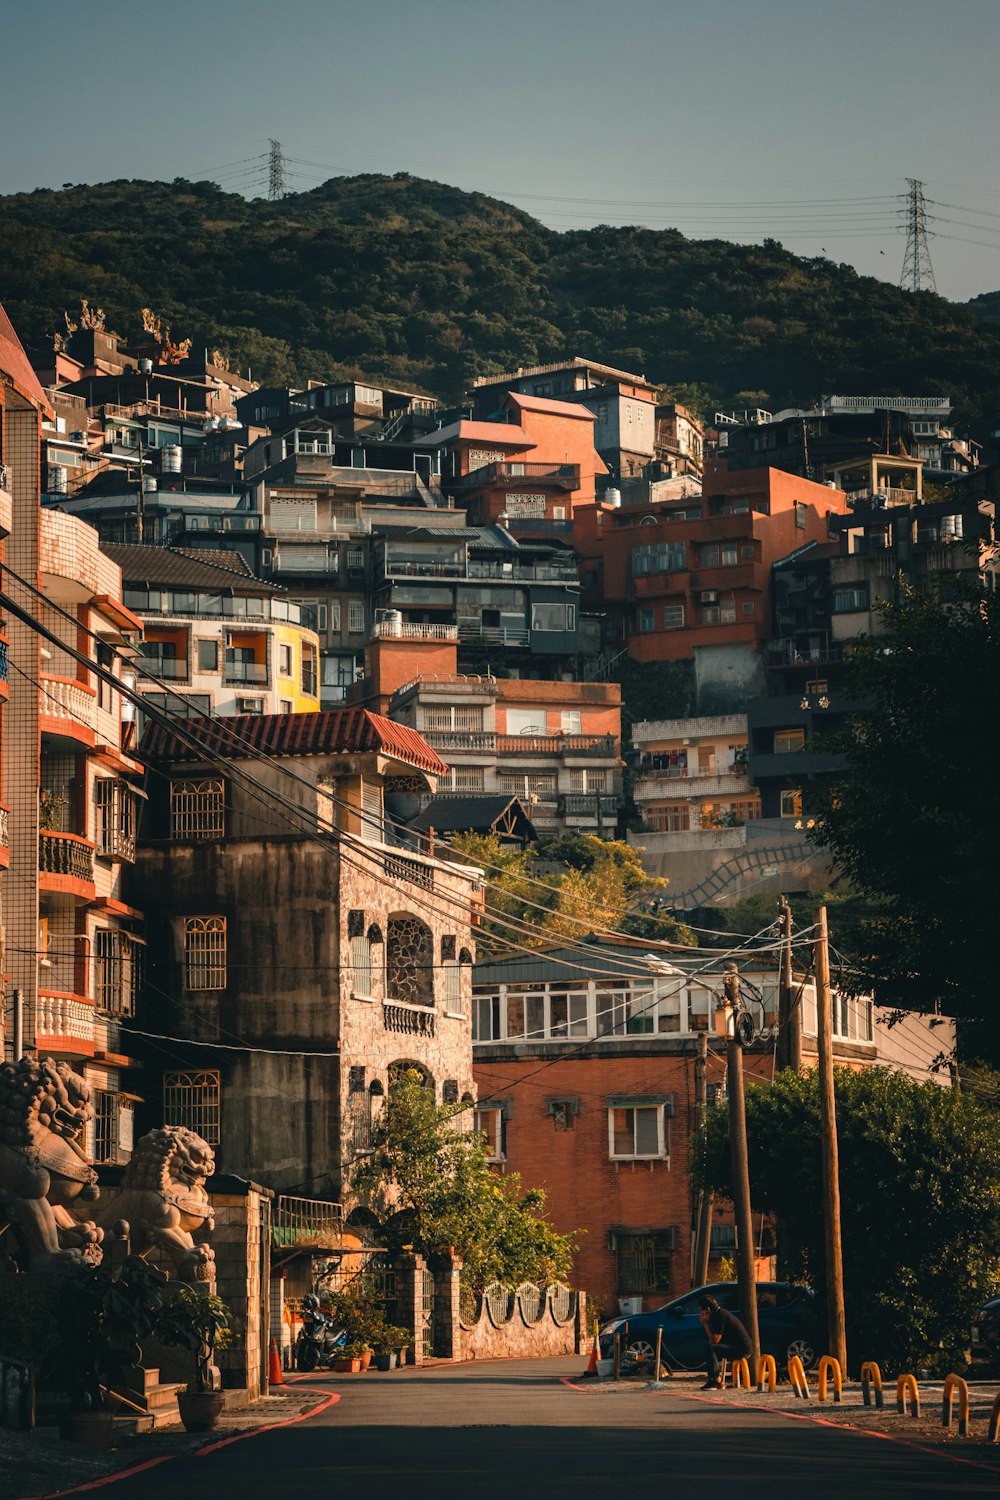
797 1377
952 1384
907 1388
767 1369
828 1365
994 1428
741 1374
871 1376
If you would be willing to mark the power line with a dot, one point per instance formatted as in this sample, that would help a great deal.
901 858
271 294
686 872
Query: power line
276 182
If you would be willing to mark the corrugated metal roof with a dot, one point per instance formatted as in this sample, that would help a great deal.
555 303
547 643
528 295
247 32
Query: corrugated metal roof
331 732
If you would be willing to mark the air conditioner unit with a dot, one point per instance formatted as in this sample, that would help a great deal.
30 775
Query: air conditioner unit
249 705
709 598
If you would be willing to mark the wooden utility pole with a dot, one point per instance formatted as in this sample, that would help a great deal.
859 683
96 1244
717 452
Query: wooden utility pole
789 1014
745 1269
831 1160
703 1228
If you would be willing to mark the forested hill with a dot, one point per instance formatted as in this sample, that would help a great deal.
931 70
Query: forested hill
421 284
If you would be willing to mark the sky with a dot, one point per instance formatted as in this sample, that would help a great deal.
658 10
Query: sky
797 120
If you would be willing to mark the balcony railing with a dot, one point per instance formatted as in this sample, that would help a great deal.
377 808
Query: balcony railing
659 784
536 525
884 495
306 1222
4 668
398 867
402 630
64 1016
4 827
171 668
407 1020
493 635
455 739
563 476
66 854
247 671
557 744
589 805
63 698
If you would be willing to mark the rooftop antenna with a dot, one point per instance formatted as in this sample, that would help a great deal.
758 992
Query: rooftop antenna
276 185
918 273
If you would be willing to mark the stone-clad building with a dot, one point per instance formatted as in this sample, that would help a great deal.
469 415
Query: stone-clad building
342 958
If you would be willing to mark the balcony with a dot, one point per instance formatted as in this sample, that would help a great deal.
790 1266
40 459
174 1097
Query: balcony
246 671
306 1223
602 745
4 667
416 871
493 635
883 496
64 1023
457 739
402 630
70 704
407 1020
660 785
167 668
558 476
4 827
594 806
67 856
536 525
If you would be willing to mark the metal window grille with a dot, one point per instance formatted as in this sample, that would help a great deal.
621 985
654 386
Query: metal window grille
361 965
193 1099
119 971
112 1127
645 1262
115 818
205 953
452 984
198 809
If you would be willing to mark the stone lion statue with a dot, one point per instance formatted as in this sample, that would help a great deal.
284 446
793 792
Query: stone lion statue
44 1171
163 1198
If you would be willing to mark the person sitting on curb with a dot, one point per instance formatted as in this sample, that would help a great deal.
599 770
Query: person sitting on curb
727 1339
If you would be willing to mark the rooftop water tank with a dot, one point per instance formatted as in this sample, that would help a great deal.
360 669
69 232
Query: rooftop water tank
57 479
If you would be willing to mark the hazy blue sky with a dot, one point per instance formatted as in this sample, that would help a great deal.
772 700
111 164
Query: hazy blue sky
735 118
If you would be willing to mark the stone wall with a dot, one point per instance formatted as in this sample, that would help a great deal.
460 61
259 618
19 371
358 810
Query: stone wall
242 1242
541 1323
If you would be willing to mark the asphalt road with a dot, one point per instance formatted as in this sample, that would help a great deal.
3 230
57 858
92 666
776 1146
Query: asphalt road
513 1431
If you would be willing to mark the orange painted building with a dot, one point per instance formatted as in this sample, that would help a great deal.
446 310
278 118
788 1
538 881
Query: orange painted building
696 572
530 471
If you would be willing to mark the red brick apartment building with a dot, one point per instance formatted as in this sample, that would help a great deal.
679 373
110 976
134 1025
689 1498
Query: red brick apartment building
695 572
529 469
584 1065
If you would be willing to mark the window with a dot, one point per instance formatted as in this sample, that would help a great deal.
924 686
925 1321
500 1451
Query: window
817 685
355 559
588 781
791 803
491 1124
285 706
193 1099
727 611
658 557
541 784
115 819
112 1127
208 656
646 620
356 616
205 953
485 1018
292 514
197 809
570 722
748 607
637 1132
451 972
361 965
800 515
644 1262
409 960
675 819
786 740
310 670
118 972
723 1240
746 551
526 721
285 660
673 617
465 718
849 597
553 617
465 779
334 617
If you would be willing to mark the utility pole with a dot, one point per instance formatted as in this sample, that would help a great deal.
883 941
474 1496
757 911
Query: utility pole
276 182
140 510
831 1161
703 1228
17 1039
740 1166
789 1014
918 273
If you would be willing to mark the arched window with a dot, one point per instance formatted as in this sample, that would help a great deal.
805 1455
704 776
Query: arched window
409 960
404 1069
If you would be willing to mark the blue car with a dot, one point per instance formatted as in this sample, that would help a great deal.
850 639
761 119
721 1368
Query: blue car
786 1319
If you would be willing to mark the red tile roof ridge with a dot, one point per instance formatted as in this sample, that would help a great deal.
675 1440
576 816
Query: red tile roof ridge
15 363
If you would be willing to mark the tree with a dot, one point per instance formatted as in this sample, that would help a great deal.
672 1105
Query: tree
599 886
428 1180
920 1203
913 817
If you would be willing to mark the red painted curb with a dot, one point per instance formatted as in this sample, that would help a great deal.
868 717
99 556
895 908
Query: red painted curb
95 1484
802 1416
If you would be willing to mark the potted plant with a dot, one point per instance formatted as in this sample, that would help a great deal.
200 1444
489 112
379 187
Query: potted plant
102 1313
348 1362
388 1341
199 1322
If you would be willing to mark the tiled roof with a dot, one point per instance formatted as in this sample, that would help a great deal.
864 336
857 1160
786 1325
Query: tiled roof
496 434
186 568
554 408
15 363
470 815
342 731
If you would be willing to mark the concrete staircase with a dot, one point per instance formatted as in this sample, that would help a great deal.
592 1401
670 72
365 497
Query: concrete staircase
150 1402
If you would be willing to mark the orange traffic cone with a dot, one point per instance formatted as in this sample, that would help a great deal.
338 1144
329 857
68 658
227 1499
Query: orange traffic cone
274 1374
592 1367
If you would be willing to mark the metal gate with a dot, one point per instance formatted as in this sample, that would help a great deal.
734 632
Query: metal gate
428 1314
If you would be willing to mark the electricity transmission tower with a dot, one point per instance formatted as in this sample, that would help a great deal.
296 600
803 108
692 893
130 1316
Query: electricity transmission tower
276 187
918 273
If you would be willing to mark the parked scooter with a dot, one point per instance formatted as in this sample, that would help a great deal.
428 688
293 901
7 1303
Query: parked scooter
318 1341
